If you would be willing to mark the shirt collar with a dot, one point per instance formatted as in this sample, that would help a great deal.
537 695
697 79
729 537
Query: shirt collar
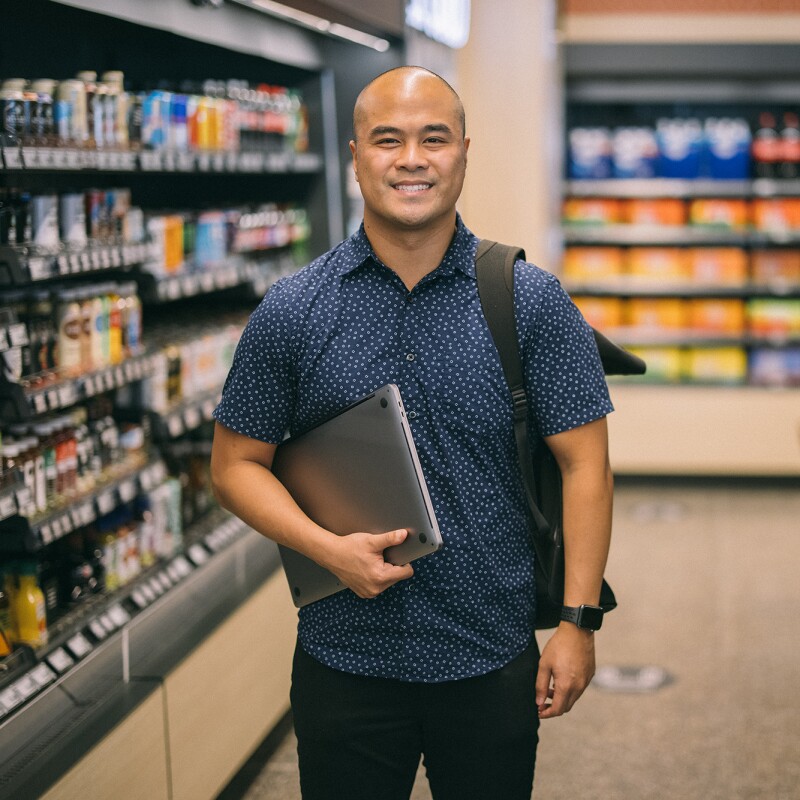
356 250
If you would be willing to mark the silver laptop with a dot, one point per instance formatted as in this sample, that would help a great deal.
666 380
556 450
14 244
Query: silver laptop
357 471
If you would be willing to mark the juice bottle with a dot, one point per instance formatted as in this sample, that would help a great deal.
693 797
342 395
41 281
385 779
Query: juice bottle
27 607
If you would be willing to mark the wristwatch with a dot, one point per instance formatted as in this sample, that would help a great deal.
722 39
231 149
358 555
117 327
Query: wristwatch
587 617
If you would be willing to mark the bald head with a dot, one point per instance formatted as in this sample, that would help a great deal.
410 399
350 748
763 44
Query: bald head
399 82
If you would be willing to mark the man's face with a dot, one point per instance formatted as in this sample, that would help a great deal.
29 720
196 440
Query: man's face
410 154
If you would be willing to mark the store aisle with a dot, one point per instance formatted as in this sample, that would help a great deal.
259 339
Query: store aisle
708 589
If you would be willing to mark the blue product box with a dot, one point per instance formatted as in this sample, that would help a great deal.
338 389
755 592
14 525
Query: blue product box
727 149
680 146
635 152
589 153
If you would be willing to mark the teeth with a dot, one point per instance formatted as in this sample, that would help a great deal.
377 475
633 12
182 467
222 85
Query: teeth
417 187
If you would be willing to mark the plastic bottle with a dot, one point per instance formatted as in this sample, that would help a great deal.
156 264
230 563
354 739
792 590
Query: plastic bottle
115 313
44 431
790 147
766 147
27 607
69 334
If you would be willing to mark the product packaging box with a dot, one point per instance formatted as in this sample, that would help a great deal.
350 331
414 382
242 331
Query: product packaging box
774 317
603 313
719 212
776 214
657 265
680 145
634 152
593 264
717 316
716 365
592 210
727 148
775 366
655 211
590 153
664 364
718 266
776 267
653 315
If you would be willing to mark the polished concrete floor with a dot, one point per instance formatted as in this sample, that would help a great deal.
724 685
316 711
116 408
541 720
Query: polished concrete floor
708 580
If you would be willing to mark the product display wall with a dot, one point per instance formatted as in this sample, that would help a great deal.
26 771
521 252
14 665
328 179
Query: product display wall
681 215
146 204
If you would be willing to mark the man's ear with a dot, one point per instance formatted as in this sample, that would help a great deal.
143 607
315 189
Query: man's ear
355 159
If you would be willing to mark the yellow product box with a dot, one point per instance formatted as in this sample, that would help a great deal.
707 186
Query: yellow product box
655 211
652 314
592 210
716 364
664 364
592 264
603 313
717 316
719 212
173 242
776 267
657 265
718 266
776 213
774 317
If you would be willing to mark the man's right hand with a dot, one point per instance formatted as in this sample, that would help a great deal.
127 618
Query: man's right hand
357 561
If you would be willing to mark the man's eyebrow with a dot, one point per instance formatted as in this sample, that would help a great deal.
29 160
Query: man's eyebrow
436 127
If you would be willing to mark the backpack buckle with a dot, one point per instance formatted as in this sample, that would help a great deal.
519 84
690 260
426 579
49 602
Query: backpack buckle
520 401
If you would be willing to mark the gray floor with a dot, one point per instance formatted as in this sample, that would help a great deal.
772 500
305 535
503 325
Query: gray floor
708 581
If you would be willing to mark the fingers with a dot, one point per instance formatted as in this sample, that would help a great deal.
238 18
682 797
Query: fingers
381 541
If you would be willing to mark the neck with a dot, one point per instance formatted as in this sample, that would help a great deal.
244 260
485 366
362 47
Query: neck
411 254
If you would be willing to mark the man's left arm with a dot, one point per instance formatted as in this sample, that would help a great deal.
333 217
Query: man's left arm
567 663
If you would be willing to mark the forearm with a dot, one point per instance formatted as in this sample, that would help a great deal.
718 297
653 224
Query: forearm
251 492
587 507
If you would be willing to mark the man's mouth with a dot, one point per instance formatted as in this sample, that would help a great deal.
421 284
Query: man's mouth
411 188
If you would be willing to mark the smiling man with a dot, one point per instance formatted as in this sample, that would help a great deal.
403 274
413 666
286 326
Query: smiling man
438 659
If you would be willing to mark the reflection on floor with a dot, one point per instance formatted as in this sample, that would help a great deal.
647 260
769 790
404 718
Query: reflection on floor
708 580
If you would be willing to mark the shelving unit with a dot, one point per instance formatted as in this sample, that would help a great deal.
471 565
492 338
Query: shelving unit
633 85
103 671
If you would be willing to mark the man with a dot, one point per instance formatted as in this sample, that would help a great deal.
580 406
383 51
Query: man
436 658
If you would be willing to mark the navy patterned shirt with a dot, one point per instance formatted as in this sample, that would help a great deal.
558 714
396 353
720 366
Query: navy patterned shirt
345 325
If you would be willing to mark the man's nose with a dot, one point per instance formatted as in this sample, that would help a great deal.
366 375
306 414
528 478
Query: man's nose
411 157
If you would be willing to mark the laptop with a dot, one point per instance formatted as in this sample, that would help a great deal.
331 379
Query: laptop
357 471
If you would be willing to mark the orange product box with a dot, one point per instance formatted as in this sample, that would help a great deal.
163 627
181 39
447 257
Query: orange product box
656 314
722 316
774 317
716 364
655 211
719 212
657 265
664 364
592 264
595 210
173 242
776 213
779 267
718 266
603 313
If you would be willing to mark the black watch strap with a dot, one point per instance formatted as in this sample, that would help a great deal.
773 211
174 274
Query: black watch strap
586 617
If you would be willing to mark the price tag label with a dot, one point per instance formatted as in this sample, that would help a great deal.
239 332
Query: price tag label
119 616
87 513
172 289
105 258
96 259
198 554
65 521
60 660
66 395
108 379
139 600
127 491
86 261
119 376
74 263
106 502
185 162
97 630
148 592
11 698
46 534
39 402
203 162
164 580
169 162
79 645
116 257
8 505
218 162
107 622
62 262
150 161
173 573
39 268
189 285
56 529
175 425
18 334
13 158
52 399
183 566
155 586
26 686
73 159
42 675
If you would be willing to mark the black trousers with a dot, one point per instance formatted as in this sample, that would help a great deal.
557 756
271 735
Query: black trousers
360 738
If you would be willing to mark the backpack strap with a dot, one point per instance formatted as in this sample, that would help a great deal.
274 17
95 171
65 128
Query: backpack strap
494 269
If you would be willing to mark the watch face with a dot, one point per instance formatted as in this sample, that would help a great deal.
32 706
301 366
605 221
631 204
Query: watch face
590 617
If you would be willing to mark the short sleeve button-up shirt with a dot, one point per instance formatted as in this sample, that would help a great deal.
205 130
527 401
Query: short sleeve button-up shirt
345 325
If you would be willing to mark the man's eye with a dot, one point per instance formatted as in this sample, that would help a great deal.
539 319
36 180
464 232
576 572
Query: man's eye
386 141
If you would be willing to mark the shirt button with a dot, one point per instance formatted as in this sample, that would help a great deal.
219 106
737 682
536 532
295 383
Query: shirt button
412 414
410 356
409 298
412 587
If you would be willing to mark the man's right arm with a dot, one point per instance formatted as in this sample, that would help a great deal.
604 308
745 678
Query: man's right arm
243 482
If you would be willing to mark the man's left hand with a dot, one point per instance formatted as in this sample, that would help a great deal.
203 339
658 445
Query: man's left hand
565 669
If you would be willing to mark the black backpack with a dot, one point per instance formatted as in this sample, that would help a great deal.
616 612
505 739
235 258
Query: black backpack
494 264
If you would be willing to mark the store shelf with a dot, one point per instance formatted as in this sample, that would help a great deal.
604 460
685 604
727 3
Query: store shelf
19 404
21 267
668 187
629 288
662 338
661 235
20 534
186 416
70 159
